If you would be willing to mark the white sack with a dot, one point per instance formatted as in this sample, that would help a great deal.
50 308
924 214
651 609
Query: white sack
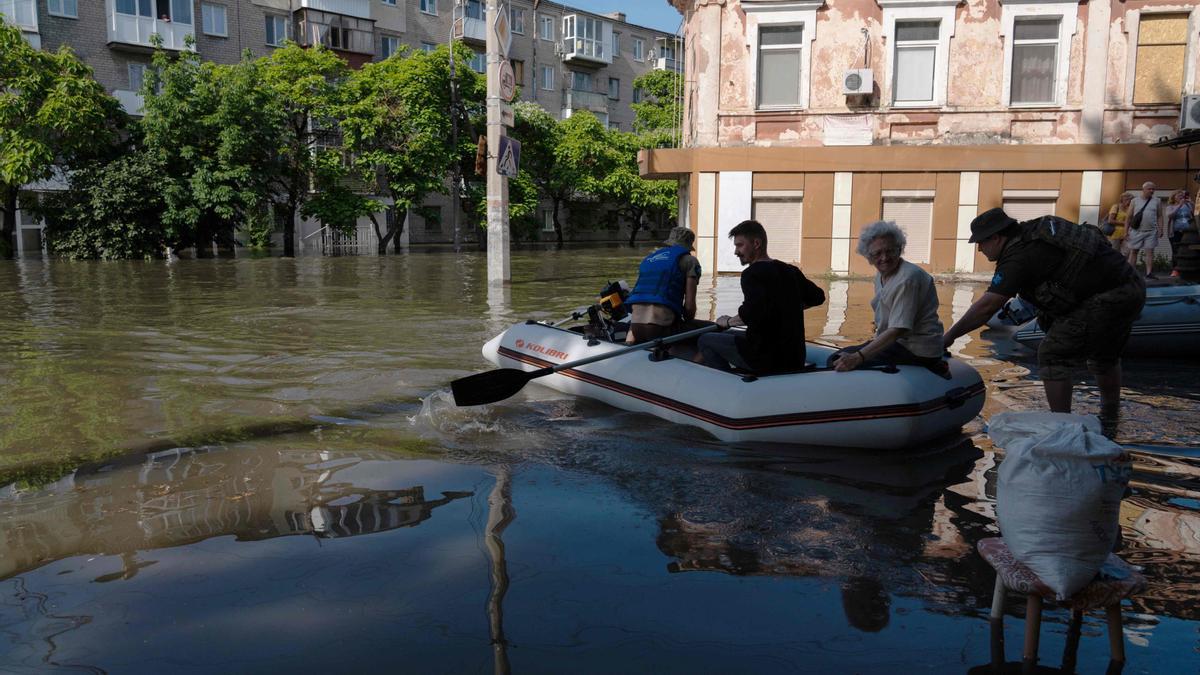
1059 494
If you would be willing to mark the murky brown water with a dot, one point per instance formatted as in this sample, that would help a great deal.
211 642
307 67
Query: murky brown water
249 465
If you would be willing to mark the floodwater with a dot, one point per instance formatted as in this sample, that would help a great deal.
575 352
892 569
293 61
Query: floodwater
254 466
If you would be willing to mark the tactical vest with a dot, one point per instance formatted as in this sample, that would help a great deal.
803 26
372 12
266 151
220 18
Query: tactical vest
1080 243
660 282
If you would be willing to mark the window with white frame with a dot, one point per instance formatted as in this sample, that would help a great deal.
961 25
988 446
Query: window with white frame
137 76
1037 36
637 94
213 19
516 17
548 78
780 50
277 30
479 62
914 214
546 28
476 10
639 49
547 220
616 44
388 45
915 59
781 214
135 8
66 8
583 35
1034 60
614 88
428 6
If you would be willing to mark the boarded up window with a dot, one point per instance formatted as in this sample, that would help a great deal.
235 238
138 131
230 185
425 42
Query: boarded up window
781 218
1028 209
914 215
1161 50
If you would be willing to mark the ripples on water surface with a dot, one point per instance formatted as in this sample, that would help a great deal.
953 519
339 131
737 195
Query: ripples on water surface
274 478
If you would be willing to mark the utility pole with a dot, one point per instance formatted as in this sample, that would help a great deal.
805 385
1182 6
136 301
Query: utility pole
456 167
497 185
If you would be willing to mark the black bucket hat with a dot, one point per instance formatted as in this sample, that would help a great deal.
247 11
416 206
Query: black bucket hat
988 223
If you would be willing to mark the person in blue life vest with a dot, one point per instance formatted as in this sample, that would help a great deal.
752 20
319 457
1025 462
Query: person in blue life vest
1087 298
664 297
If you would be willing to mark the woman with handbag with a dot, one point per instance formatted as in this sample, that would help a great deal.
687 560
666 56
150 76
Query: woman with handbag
1117 215
1181 215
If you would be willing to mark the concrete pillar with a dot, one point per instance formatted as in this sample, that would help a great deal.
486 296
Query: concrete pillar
706 42
843 187
1095 71
968 208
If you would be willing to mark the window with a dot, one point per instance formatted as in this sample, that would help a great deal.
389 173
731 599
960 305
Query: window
1161 53
212 19
548 78
428 47
914 215
546 28
429 6
137 76
779 65
135 8
613 126
637 94
583 35
781 216
547 220
479 62
475 9
389 2
516 17
518 67
639 49
1034 60
179 11
67 8
581 81
616 44
277 30
915 61
388 45
614 88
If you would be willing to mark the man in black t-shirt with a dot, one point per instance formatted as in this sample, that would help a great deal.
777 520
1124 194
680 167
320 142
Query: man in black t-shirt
775 295
1087 301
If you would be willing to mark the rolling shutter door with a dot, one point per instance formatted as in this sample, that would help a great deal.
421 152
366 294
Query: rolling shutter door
781 218
915 217
1028 209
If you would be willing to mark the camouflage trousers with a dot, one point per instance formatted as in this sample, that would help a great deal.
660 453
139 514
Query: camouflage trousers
1094 333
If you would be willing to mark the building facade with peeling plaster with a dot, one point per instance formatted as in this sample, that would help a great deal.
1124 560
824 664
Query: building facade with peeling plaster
818 117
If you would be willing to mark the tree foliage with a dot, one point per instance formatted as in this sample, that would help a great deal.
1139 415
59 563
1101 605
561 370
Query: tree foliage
52 112
656 116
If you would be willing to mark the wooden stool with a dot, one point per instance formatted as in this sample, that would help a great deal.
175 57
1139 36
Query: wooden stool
1106 593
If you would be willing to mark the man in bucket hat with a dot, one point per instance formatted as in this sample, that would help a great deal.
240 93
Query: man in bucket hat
664 296
1086 294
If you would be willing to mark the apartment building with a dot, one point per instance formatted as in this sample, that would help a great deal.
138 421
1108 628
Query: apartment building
564 59
818 117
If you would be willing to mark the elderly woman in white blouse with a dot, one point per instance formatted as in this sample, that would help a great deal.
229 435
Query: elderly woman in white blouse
907 328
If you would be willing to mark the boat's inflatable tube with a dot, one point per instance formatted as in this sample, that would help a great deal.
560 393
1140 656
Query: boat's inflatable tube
861 409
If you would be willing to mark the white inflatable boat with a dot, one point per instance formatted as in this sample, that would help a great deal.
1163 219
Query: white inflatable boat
859 409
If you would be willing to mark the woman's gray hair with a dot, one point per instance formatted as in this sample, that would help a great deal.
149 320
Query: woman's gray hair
877 229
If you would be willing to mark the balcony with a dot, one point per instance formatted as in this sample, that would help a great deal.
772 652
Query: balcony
131 101
585 41
23 14
359 9
470 30
133 26
339 32
668 63
584 100
666 51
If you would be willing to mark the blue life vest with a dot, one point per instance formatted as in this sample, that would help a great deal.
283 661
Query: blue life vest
660 281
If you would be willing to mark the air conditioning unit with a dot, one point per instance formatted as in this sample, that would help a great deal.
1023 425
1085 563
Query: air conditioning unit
858 81
1189 113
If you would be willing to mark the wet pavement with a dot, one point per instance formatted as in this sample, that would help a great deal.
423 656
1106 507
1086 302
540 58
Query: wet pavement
253 465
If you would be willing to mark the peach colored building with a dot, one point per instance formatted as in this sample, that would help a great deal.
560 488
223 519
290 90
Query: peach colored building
817 117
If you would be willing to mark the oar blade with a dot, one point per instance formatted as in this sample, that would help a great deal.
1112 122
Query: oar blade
489 386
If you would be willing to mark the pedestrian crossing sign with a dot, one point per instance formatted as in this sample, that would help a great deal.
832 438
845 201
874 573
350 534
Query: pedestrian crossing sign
509 157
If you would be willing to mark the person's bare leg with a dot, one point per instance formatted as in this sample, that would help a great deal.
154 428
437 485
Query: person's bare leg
1149 253
1109 383
1058 395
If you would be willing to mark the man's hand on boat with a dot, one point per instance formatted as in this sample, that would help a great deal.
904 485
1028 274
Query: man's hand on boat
725 322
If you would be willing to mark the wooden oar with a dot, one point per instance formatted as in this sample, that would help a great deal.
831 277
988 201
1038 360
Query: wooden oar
497 385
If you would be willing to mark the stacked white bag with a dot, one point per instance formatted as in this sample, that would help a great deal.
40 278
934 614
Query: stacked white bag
1059 494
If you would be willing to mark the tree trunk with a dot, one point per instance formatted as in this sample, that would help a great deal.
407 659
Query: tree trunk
558 230
8 224
635 228
289 231
399 228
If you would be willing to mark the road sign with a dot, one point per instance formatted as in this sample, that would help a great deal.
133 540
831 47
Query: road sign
509 157
506 116
500 25
508 81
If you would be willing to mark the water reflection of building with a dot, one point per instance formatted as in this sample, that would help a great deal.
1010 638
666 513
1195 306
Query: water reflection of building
180 497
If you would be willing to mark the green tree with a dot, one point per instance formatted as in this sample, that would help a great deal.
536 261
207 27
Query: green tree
656 116
639 200
305 83
396 124
52 112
